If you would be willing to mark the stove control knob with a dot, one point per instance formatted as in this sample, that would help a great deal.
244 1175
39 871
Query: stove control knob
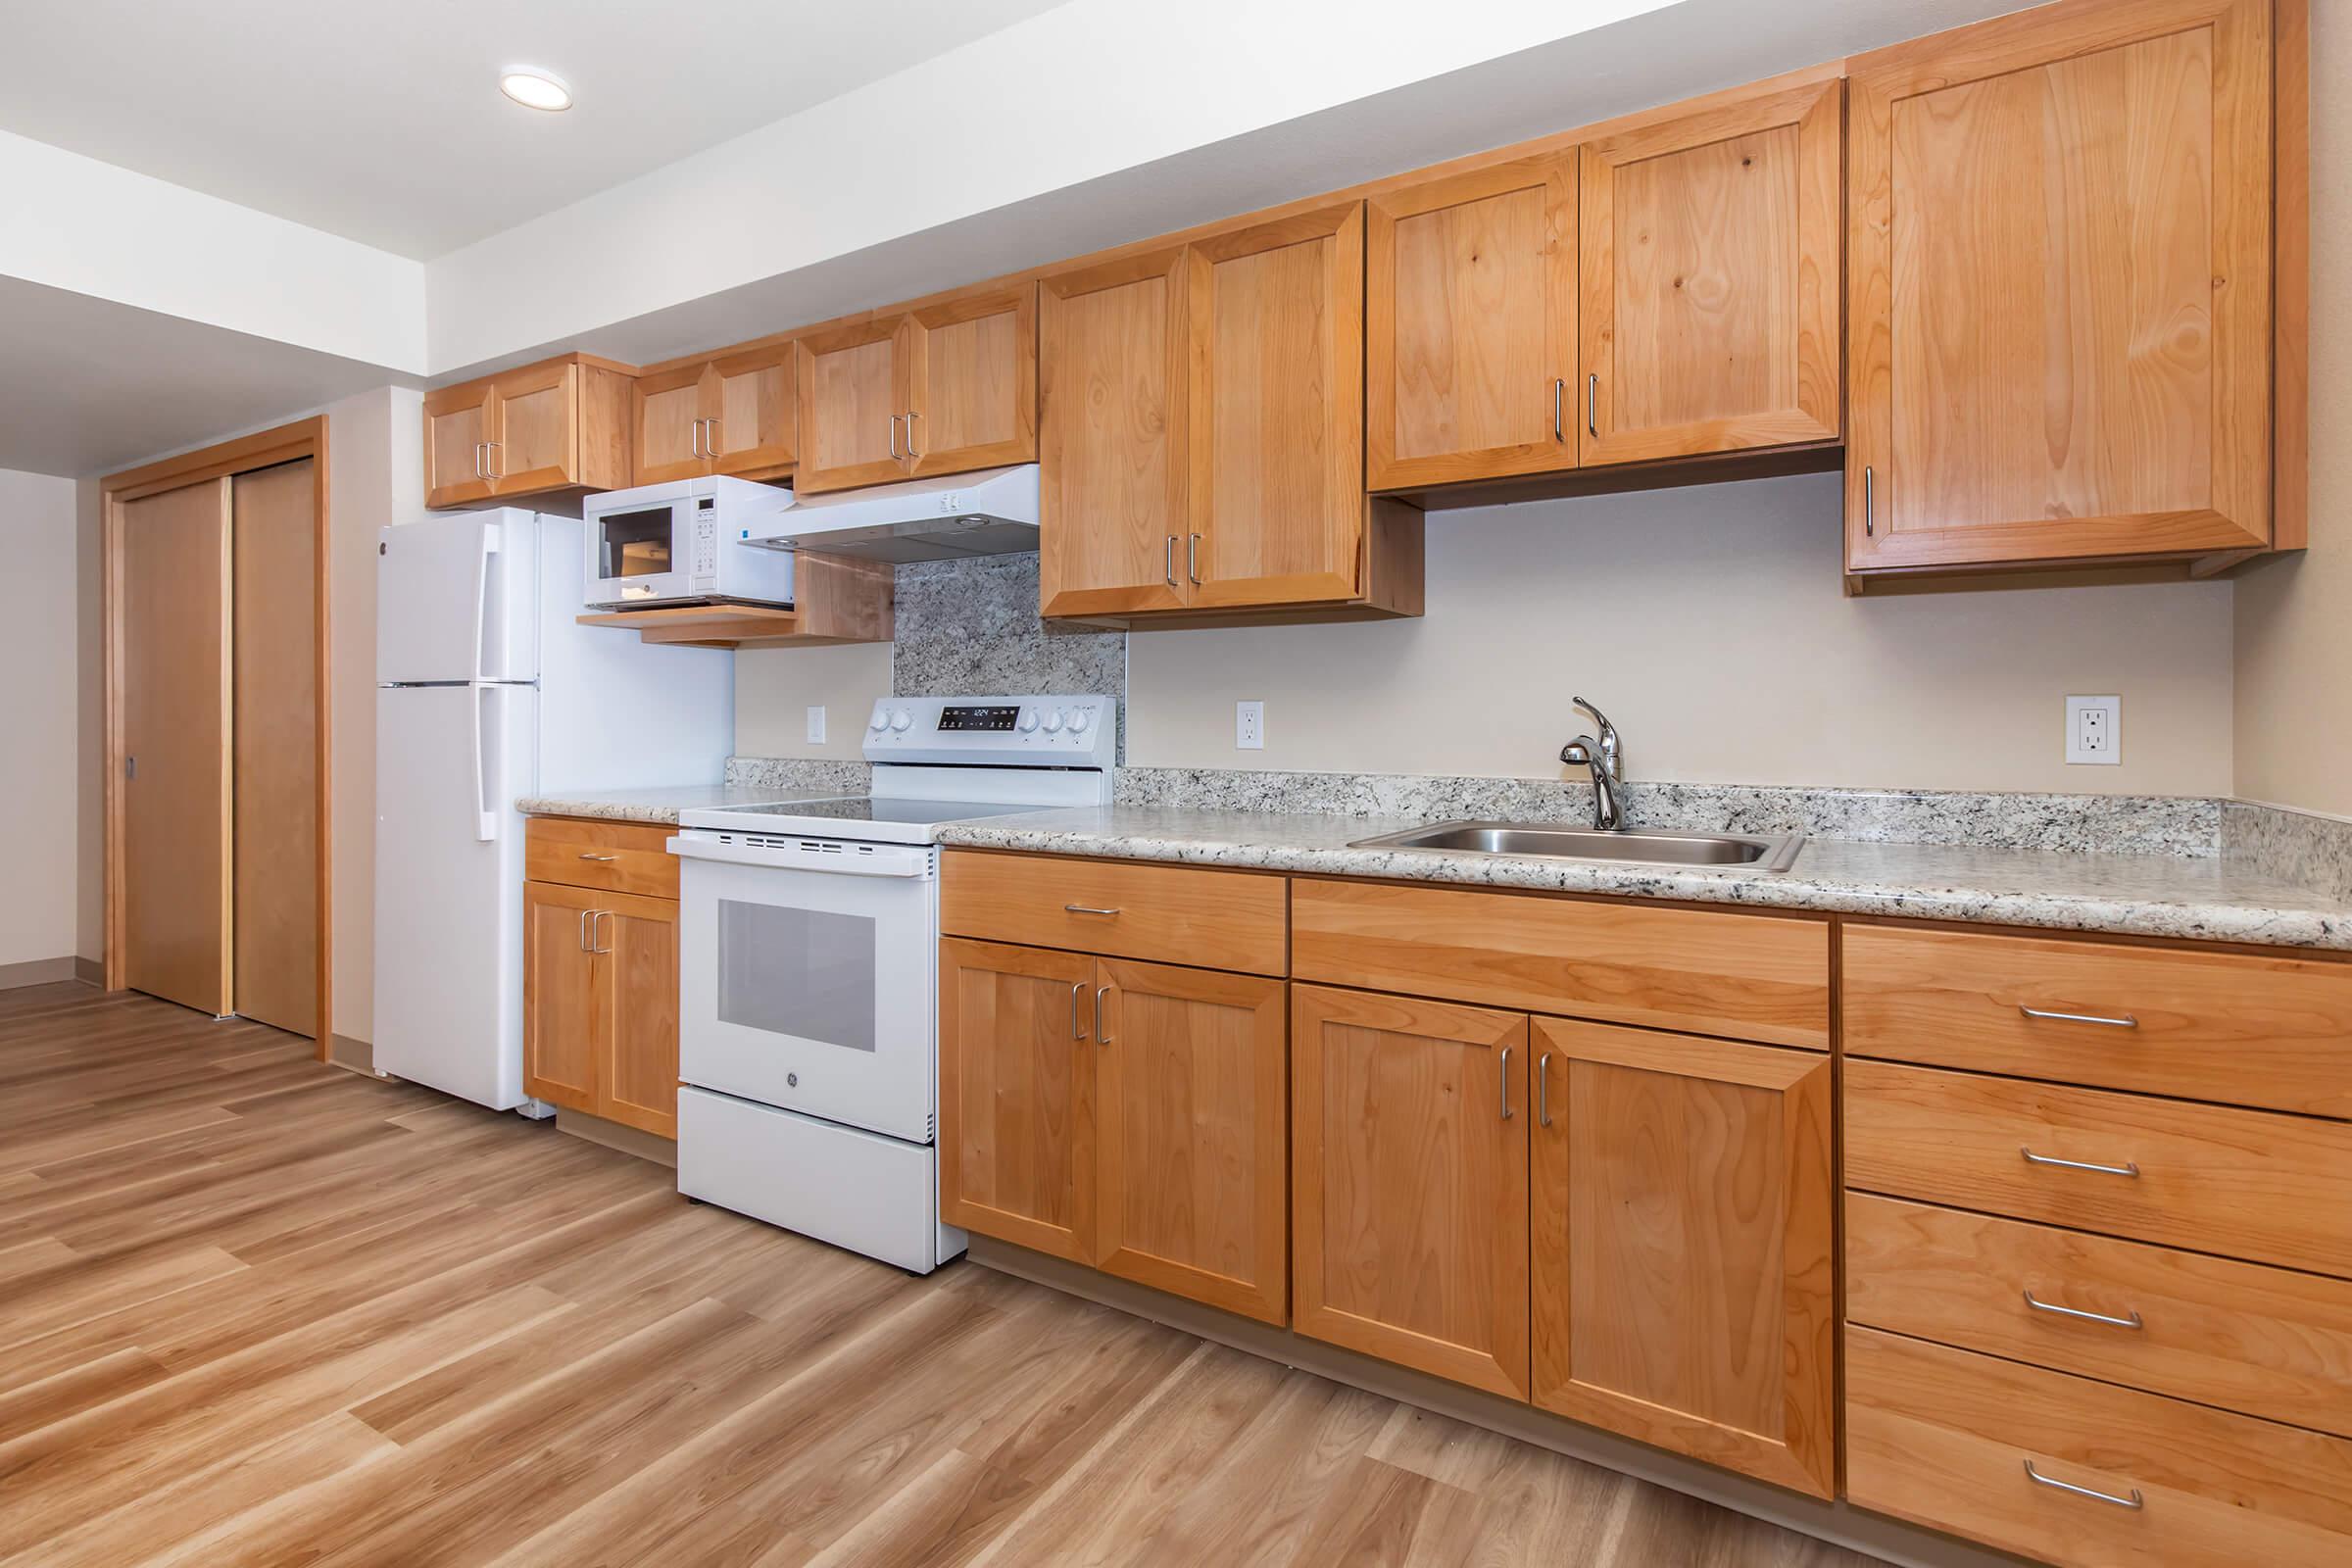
902 721
1028 720
1079 719
880 721
1053 721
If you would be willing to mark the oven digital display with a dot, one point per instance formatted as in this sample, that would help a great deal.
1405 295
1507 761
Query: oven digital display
977 718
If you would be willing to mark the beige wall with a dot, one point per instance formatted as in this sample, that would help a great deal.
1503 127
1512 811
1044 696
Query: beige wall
1711 624
39 718
775 688
89 838
2294 614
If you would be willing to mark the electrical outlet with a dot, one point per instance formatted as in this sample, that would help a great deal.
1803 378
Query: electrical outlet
816 724
1250 726
2094 729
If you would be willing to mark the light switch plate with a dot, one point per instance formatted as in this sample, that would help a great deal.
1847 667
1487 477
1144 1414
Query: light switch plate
2094 729
816 724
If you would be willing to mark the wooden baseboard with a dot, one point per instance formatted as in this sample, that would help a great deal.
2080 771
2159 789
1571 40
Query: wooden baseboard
613 1135
37 972
1833 1522
355 1056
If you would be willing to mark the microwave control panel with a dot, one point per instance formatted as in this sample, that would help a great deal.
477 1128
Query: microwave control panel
705 539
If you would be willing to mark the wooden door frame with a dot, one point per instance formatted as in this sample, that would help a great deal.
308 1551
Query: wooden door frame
265 449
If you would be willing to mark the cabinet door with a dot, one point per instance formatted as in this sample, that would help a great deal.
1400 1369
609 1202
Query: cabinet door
638 1079
1192 1084
1684 1282
1113 401
753 401
1470 324
973 370
566 1011
1710 280
667 428
852 397
1016 1095
2059 307
457 424
1408 1181
1277 452
535 439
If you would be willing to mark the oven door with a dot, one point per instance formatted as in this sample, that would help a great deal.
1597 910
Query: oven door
808 976
638 554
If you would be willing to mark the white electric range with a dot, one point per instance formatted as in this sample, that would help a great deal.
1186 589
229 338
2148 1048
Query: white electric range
808 950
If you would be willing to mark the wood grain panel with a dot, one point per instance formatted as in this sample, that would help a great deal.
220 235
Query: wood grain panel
276 733
1194 1160
1186 914
1684 1277
639 1079
175 687
618 856
1750 976
1408 1184
2104 174
1016 1095
853 392
2245 1184
567 1014
2273 1032
1711 280
457 422
536 428
974 382
755 400
2265 1342
666 430
1115 406
1470 324
1942 1438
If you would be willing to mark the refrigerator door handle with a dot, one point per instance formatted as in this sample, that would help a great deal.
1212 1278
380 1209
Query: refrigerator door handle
485 809
482 610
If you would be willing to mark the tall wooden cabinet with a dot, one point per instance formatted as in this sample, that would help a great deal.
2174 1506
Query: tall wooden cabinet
2060 258
556 425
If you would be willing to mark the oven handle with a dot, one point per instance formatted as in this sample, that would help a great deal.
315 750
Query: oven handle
902 860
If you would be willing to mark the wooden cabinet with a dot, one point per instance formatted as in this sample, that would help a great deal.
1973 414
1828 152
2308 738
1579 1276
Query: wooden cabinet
737 415
853 394
1189 914
1203 433
600 978
1710 280
558 425
1470 324
1682 1277
1409 1183
2059 288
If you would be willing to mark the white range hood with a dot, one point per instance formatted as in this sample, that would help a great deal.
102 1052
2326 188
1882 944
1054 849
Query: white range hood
991 512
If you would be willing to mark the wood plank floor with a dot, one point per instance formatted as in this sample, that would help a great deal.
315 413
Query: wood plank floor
256 1310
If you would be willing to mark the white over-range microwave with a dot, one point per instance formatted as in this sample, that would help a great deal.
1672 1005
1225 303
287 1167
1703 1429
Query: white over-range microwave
685 542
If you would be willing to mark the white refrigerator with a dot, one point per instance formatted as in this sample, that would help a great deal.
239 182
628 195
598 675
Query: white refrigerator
487 689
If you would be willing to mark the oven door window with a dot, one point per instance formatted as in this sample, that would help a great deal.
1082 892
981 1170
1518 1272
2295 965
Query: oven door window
805 973
633 544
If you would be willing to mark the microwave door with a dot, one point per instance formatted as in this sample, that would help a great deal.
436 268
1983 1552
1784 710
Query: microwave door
632 556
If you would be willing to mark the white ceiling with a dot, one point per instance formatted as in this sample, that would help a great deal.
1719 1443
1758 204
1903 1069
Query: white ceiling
406 143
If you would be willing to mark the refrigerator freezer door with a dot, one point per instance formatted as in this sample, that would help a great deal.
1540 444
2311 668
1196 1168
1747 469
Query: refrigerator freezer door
455 598
449 901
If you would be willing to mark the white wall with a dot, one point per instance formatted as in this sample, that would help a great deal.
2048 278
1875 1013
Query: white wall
39 760
89 838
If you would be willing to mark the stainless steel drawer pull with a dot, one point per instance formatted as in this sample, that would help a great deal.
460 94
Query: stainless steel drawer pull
2131 1320
2134 1500
1087 909
585 855
2128 1168
2123 1021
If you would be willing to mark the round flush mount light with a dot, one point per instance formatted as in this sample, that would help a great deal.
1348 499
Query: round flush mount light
534 88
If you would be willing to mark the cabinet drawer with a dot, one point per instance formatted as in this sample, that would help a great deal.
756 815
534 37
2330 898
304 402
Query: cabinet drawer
1944 1438
2242 1183
2251 1031
2266 1341
1751 977
1122 908
616 856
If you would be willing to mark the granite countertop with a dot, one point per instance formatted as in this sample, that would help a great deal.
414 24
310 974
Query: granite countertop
660 806
2143 895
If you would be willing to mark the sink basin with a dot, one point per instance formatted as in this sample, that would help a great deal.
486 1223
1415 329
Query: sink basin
1570 842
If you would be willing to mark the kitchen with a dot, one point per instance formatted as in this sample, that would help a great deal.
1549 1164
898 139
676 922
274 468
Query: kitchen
1431 854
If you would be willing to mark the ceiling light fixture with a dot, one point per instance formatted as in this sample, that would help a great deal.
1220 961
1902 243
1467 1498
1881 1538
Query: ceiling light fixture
534 88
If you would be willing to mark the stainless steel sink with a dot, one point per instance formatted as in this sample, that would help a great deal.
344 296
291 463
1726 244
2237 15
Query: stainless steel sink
1570 842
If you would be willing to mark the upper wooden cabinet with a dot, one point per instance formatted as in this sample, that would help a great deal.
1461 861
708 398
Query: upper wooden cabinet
2060 252
1710 280
1470 325
942 389
555 426
737 415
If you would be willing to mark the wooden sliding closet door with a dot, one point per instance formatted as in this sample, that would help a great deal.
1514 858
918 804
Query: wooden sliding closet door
275 761
177 880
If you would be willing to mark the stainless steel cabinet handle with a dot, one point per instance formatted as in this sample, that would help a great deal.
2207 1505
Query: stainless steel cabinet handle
2128 1168
1087 909
1171 560
694 439
491 464
1192 557
585 855
2120 1022
1544 1090
595 917
1870 524
1592 405
1102 1036
908 417
480 471
1076 987
1506 1083
893 436
1559 391
584 931
711 437
2131 1320
2134 1500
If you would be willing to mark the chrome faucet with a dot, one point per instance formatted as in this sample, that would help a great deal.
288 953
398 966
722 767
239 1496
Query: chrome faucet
1600 755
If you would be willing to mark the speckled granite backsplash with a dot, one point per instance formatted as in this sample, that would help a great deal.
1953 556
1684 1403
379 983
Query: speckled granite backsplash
971 628
2298 846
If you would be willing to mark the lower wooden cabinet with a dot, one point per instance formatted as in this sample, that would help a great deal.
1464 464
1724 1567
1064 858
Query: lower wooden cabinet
1683 1279
600 985
1125 1116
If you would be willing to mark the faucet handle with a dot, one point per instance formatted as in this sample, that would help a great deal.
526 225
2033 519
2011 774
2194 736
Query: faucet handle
1607 740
